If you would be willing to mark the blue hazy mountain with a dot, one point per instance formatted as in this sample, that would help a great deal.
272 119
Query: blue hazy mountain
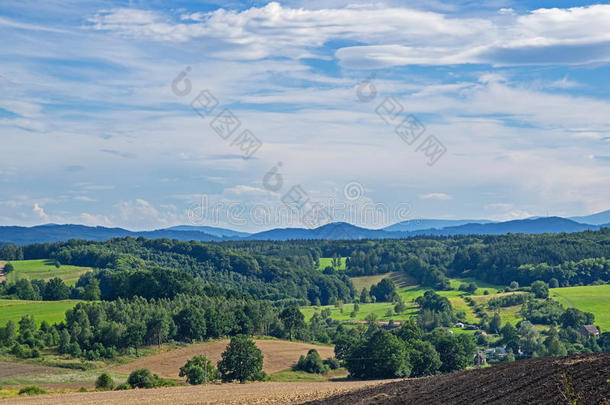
210 230
55 233
334 231
600 218
419 224
338 230
532 226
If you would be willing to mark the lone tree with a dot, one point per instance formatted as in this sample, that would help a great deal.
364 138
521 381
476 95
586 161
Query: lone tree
293 320
8 267
241 361
540 289
104 382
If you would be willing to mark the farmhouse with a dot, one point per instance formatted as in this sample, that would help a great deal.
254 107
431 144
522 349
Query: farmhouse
589 330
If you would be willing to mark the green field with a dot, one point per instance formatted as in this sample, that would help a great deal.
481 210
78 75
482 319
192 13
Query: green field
45 270
378 308
409 293
593 298
328 261
50 311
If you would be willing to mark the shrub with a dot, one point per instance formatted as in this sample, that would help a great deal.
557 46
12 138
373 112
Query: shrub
82 389
21 351
104 382
332 363
312 363
8 267
32 390
141 378
197 370
123 386
164 382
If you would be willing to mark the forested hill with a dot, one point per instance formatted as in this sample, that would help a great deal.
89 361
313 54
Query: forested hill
140 267
289 270
568 258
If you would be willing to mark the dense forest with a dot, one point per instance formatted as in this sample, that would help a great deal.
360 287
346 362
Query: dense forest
570 258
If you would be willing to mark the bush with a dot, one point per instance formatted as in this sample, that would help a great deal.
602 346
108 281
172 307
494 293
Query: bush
312 363
197 370
21 351
332 363
104 382
32 390
141 378
164 382
122 387
8 267
82 389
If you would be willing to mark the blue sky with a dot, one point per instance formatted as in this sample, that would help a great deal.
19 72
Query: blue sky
516 92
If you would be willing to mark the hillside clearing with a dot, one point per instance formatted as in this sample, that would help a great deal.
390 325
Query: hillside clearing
50 311
278 355
45 269
400 279
328 261
592 298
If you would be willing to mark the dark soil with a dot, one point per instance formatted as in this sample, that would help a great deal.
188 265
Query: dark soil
581 379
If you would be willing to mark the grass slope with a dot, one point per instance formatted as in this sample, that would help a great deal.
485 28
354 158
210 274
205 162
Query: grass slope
45 270
50 311
592 298
328 261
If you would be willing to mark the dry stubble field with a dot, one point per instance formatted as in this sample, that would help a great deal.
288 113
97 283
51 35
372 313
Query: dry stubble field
278 355
254 393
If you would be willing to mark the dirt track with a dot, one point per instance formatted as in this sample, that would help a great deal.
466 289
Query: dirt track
278 355
533 381
256 393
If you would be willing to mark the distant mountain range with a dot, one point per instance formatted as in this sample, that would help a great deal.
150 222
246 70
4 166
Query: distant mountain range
334 231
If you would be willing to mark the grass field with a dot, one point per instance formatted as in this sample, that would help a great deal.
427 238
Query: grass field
378 308
593 298
409 293
50 311
44 270
328 261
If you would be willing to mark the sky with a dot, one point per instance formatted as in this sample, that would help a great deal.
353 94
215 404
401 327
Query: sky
249 115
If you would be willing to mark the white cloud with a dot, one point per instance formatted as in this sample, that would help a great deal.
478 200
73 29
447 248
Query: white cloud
39 211
435 196
391 35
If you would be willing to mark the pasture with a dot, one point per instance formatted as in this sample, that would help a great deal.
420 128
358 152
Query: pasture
592 298
45 270
50 311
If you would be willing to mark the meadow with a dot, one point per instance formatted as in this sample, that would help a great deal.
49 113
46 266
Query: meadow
410 292
50 311
592 298
45 269
328 261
